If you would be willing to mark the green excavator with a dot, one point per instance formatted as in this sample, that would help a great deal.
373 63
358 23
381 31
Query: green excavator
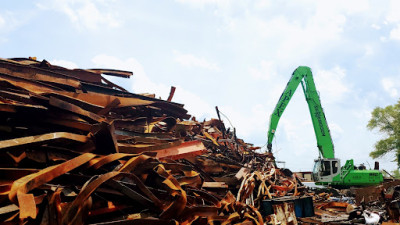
327 170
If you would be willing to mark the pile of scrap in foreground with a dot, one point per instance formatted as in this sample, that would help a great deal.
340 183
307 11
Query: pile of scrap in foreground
76 148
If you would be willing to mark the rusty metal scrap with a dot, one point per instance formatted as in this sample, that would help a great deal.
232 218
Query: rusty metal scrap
76 148
41 138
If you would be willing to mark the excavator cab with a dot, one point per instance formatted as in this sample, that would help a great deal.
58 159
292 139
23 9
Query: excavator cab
325 169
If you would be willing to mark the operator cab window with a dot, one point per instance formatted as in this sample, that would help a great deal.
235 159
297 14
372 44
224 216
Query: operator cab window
335 166
326 169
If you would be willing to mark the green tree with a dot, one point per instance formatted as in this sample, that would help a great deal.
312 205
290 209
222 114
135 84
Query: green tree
386 121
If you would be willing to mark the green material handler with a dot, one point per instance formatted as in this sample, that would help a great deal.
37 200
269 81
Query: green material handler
327 170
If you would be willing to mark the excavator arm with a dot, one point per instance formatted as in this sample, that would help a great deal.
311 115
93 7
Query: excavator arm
304 76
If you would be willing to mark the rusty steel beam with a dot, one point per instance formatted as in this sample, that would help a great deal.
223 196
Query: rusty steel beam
145 147
104 100
29 85
33 73
215 185
111 72
92 117
171 93
16 142
184 150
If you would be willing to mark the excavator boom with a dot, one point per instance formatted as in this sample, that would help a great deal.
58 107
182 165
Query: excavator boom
327 169
304 76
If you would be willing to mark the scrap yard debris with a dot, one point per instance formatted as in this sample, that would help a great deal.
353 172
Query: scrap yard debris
79 149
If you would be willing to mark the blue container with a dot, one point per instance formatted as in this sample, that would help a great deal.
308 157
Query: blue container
298 207
303 206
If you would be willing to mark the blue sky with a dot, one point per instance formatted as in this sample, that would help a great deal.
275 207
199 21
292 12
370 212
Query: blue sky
237 55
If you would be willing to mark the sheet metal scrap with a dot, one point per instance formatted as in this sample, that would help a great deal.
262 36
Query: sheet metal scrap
252 175
232 163
118 187
373 194
76 148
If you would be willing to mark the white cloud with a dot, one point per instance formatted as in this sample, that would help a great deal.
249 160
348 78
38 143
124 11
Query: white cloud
64 63
295 132
336 130
2 22
393 15
319 31
393 18
140 82
113 62
292 129
84 14
2 26
11 20
293 39
376 27
267 70
356 6
190 60
391 85
202 3
262 4
395 33
197 2
253 121
369 50
195 105
331 84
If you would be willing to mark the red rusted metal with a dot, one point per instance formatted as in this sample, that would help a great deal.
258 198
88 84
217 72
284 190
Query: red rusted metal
76 148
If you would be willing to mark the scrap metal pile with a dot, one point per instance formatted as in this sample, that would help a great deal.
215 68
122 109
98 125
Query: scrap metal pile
367 205
78 149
